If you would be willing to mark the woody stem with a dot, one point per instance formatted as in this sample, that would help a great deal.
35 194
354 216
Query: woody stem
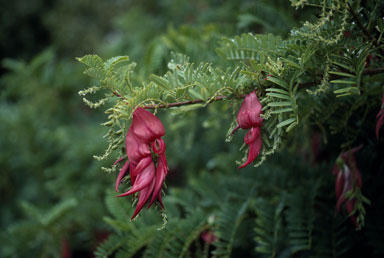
242 96
190 102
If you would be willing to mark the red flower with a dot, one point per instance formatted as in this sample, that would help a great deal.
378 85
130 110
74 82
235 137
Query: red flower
208 236
380 119
136 151
143 135
348 178
249 118
149 129
146 126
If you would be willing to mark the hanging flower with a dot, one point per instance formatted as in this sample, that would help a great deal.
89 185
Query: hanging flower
149 129
348 179
249 117
143 136
380 119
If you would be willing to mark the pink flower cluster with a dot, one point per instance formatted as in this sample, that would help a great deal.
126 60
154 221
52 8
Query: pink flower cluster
348 178
144 136
249 117
145 149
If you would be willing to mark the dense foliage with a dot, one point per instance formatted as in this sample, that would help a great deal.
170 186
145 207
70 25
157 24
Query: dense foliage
317 68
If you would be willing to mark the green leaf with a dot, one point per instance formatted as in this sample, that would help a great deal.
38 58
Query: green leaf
291 126
343 74
278 111
195 94
343 82
278 91
291 63
347 91
229 219
268 228
278 95
278 81
286 122
251 74
344 66
91 61
279 104
160 81
110 63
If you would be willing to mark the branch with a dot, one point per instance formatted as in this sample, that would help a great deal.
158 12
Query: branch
190 102
366 33
219 98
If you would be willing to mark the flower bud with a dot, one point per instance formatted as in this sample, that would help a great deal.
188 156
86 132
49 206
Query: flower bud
249 117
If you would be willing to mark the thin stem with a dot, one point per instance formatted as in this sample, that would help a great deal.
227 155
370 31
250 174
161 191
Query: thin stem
366 33
242 96
190 102
116 94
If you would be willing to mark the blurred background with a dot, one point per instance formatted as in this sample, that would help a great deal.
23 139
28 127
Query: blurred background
52 191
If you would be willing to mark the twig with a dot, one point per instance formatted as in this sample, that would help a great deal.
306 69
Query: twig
116 94
354 14
219 98
190 102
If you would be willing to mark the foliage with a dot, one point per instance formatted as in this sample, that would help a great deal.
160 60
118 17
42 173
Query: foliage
284 207
47 164
319 78
317 70
281 70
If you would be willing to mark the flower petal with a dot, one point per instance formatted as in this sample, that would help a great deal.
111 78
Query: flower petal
122 172
254 150
161 172
146 126
249 112
118 161
339 184
131 169
164 160
251 135
141 166
143 198
143 179
235 129
158 146
136 149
